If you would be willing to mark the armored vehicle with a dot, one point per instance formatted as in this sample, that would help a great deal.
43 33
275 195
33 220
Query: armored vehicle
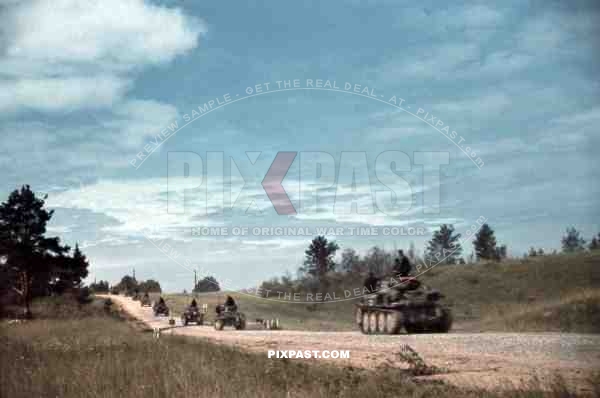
160 308
409 305
228 316
192 314
145 301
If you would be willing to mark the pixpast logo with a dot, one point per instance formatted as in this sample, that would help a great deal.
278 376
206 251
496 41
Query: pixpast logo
390 193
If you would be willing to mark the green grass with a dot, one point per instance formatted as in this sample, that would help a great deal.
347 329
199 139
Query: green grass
93 354
579 311
536 294
541 293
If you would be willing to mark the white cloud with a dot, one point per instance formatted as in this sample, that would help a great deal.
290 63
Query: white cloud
479 16
572 132
140 206
499 63
59 229
69 54
473 21
106 141
539 40
484 104
586 117
376 219
395 133
503 146
64 93
456 61
137 119
432 62
124 32
542 34
567 34
63 56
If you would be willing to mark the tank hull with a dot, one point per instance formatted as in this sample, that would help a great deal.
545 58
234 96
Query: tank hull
226 317
382 320
161 310
192 316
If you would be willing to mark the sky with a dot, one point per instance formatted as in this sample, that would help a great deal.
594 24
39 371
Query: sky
147 122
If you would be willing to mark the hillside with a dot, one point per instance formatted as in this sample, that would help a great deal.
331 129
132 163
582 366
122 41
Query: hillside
547 293
533 286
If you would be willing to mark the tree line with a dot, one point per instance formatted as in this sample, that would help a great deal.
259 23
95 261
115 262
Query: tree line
129 285
207 284
444 248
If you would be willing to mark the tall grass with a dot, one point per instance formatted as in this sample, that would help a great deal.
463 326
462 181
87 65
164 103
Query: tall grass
578 311
93 354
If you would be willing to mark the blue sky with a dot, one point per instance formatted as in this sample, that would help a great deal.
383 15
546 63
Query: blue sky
84 87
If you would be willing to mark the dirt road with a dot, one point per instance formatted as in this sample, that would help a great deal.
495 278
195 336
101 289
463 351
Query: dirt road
489 360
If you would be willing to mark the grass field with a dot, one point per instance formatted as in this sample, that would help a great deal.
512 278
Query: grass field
79 352
547 293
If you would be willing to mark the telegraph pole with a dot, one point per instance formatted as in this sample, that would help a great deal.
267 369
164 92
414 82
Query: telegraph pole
195 280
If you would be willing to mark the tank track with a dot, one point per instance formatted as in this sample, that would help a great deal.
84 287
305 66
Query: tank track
386 321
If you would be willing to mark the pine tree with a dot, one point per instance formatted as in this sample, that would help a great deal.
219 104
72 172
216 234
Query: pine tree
350 260
69 272
445 246
79 267
29 258
319 257
485 243
572 241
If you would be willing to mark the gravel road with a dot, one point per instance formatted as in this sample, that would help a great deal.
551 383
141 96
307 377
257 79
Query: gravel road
489 360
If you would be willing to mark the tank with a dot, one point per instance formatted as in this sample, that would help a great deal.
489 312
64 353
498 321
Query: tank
227 316
408 305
